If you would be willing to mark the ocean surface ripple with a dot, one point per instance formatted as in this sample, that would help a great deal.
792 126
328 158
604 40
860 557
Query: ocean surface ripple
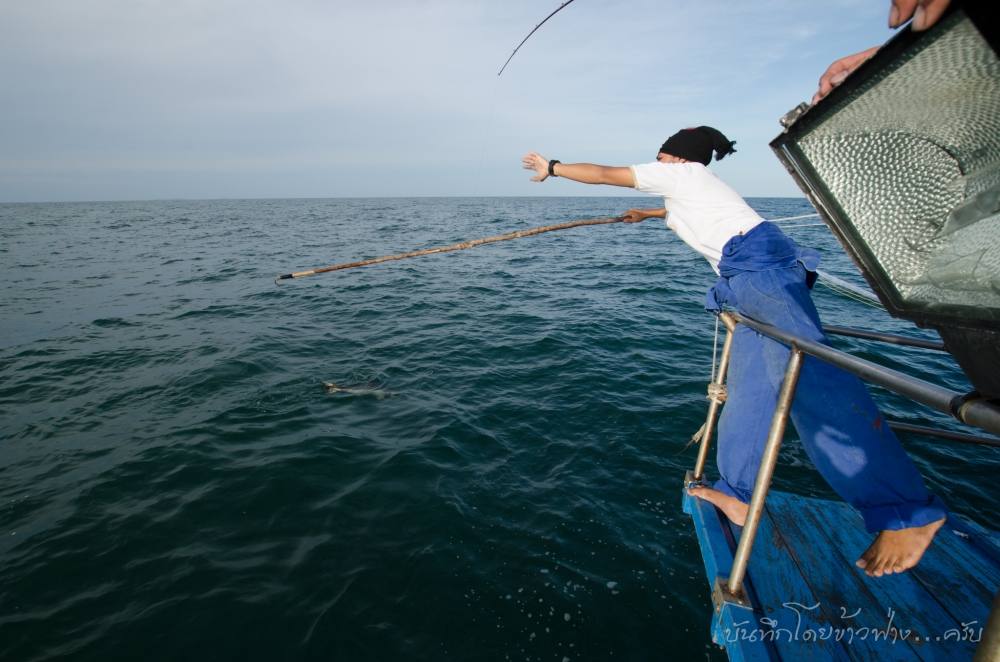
175 482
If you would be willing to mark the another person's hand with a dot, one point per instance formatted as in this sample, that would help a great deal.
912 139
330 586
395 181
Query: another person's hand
538 163
840 70
924 13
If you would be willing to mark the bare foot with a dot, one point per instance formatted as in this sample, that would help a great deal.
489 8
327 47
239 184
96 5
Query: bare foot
731 507
897 551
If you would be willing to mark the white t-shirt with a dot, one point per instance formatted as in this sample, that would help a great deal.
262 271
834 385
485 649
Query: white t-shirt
701 208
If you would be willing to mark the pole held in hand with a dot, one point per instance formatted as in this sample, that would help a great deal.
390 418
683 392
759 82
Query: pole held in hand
453 247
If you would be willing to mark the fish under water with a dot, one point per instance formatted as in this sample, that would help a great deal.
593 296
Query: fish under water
373 390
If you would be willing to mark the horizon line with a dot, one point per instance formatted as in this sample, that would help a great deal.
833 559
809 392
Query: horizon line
345 197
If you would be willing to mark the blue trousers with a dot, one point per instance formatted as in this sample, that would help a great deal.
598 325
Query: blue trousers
840 427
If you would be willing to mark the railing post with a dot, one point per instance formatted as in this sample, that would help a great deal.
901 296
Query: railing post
734 585
714 405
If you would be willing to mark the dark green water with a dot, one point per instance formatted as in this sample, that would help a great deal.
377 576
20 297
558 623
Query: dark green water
175 483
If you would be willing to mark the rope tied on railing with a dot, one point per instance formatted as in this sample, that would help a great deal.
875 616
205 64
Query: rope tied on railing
717 393
695 438
716 389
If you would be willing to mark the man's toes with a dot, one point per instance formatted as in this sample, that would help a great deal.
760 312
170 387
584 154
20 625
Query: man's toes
891 565
876 568
867 558
704 493
871 565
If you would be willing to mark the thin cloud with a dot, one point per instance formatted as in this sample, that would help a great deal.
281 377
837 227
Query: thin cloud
262 91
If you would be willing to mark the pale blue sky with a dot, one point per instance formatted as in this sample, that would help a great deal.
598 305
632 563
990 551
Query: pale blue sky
149 99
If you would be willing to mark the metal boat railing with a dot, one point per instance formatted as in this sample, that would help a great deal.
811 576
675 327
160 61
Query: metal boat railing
967 408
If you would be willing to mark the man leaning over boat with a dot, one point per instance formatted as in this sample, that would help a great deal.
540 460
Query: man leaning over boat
767 276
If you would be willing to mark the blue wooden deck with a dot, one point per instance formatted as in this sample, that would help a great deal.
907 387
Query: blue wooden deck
811 603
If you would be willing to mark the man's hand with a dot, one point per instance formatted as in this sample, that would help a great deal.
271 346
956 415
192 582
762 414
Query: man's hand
639 215
538 163
634 216
585 173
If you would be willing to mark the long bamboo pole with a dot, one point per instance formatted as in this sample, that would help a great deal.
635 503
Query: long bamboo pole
454 247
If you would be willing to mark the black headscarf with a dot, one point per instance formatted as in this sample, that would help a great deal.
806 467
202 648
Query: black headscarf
697 144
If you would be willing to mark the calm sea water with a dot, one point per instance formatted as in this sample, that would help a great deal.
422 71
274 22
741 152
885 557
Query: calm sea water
175 483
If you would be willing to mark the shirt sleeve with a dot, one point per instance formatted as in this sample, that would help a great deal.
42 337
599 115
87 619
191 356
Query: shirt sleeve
655 178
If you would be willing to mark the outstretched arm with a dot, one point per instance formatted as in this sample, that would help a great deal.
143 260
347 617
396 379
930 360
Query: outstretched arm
587 173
